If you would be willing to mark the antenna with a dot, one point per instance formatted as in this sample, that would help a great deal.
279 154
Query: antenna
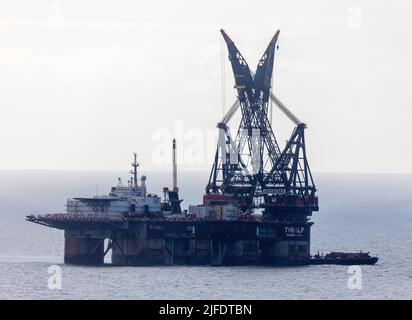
135 164
174 164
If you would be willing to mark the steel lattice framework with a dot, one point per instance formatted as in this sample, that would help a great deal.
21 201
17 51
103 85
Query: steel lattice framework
253 165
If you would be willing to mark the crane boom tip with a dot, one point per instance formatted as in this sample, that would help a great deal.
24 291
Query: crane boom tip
225 36
275 37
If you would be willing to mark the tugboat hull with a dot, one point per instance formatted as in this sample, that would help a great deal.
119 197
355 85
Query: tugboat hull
370 261
343 258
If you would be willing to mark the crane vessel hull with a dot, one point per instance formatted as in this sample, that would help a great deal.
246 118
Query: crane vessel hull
136 242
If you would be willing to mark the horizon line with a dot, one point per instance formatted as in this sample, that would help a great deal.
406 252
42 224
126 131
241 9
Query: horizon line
191 171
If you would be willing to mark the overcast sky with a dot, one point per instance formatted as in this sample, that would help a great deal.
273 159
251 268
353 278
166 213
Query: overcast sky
85 83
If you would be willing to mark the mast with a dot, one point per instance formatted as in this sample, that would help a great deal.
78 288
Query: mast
135 164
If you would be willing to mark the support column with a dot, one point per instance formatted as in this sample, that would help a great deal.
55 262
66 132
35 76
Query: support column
83 250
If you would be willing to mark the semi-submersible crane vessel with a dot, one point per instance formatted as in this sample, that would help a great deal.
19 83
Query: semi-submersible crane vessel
251 172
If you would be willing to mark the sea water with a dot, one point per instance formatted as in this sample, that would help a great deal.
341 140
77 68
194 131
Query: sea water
369 212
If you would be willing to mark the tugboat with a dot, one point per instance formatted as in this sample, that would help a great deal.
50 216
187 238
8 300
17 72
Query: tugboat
344 258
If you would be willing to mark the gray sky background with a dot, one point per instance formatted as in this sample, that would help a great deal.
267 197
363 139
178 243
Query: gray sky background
83 84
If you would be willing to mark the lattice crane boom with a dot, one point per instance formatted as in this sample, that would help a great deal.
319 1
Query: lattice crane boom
252 165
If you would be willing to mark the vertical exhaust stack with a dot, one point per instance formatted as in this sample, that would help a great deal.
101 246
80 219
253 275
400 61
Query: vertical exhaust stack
171 201
174 168
174 193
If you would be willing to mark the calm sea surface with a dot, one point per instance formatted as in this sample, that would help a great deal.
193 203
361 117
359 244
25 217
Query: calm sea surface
370 212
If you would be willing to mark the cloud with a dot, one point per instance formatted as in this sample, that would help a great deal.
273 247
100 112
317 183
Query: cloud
76 81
